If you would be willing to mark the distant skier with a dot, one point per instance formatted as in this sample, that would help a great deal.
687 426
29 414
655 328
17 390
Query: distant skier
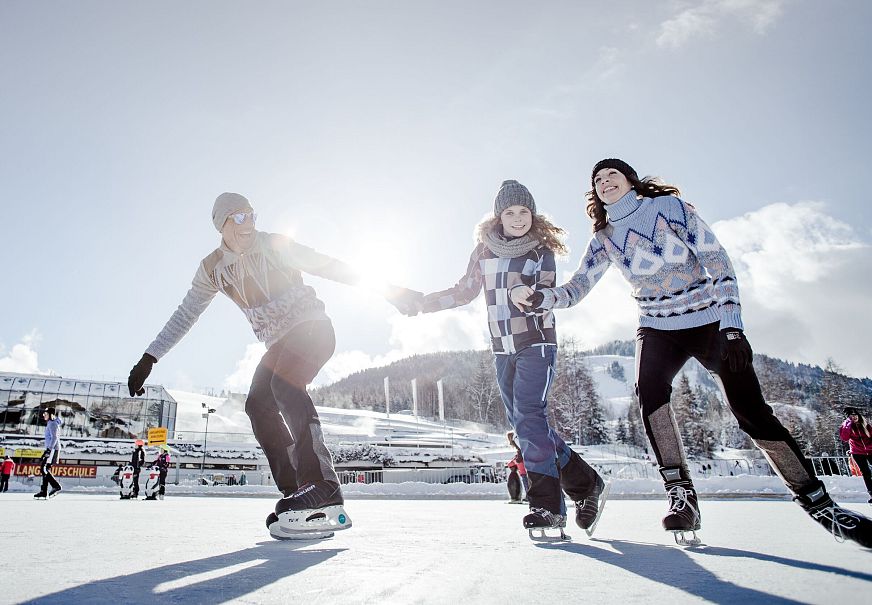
137 461
51 455
857 431
262 274
685 287
8 468
515 249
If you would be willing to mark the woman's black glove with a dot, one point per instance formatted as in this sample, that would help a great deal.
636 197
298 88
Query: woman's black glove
139 373
536 299
735 349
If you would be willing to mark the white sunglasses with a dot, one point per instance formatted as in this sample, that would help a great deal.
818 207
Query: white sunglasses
239 217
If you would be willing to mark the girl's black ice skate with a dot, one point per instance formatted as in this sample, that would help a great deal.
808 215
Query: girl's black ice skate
541 519
683 515
589 509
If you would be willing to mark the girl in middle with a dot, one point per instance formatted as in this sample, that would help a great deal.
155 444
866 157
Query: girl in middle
516 247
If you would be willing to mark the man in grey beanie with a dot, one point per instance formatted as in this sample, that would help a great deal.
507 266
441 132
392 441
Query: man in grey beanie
262 273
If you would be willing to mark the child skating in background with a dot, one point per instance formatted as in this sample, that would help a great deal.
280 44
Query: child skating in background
515 248
685 287
162 462
51 455
516 466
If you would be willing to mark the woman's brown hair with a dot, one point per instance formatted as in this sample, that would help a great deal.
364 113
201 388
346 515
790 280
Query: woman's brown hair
650 186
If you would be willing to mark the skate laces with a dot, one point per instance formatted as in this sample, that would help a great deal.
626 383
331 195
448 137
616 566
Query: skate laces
838 518
679 499
552 518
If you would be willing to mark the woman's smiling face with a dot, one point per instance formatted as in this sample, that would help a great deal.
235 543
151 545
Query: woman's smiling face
611 185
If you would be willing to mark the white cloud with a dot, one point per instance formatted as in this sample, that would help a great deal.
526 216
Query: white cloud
705 18
240 379
22 358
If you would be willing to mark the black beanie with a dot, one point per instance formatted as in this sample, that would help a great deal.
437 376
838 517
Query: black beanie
625 169
50 411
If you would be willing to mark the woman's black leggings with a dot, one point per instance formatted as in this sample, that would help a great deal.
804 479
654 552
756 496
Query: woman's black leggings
660 355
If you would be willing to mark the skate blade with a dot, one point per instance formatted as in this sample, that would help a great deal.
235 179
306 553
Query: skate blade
319 520
279 533
601 506
539 535
683 540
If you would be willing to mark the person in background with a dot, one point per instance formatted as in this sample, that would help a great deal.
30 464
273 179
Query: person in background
517 462
51 455
162 462
857 431
8 468
137 461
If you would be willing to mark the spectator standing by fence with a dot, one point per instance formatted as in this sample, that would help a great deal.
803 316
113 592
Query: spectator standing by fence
857 431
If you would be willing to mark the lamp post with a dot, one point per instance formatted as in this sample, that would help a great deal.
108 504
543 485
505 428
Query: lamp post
207 412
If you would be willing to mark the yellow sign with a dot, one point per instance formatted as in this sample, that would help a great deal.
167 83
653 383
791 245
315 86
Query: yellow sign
2 451
28 453
157 436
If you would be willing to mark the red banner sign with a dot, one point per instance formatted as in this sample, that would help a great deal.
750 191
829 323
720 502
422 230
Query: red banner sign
58 470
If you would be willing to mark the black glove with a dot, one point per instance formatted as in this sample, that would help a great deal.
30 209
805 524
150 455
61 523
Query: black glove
735 349
536 299
44 456
139 373
408 302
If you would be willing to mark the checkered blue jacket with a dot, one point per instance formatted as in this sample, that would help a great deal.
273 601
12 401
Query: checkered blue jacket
511 330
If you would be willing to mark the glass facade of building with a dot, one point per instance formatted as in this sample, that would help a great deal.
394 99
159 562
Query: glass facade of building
88 408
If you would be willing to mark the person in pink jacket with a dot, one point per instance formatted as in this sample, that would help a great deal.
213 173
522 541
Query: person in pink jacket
857 431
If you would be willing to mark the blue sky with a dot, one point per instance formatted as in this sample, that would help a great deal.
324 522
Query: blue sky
378 132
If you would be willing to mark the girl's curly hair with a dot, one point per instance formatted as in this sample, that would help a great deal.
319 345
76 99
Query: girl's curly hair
547 233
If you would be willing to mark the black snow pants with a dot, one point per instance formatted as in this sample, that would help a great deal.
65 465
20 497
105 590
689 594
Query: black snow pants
282 414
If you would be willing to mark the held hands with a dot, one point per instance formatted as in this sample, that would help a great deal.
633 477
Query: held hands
408 302
139 373
525 298
735 349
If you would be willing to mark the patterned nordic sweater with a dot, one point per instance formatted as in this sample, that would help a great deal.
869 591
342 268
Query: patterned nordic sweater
680 275
510 329
265 282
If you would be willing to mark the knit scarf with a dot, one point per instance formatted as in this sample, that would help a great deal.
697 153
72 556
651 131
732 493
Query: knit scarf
509 248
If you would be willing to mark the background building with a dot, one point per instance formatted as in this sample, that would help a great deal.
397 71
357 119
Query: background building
88 408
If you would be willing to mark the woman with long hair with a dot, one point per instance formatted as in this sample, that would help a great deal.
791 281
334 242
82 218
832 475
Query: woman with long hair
688 301
857 431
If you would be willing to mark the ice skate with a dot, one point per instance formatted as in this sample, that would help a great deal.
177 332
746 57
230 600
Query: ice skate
280 533
313 509
683 518
589 510
40 495
842 523
539 520
54 492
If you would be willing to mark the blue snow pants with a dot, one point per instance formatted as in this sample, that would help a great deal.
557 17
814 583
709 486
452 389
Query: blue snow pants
524 379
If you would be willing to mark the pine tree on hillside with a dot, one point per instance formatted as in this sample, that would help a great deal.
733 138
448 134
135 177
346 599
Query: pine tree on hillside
635 430
576 411
682 406
483 393
621 434
616 371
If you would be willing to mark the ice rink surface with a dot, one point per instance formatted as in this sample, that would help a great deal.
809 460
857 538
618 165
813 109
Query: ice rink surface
80 548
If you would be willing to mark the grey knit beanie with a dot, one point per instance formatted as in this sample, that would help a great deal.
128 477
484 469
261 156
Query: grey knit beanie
225 205
513 193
